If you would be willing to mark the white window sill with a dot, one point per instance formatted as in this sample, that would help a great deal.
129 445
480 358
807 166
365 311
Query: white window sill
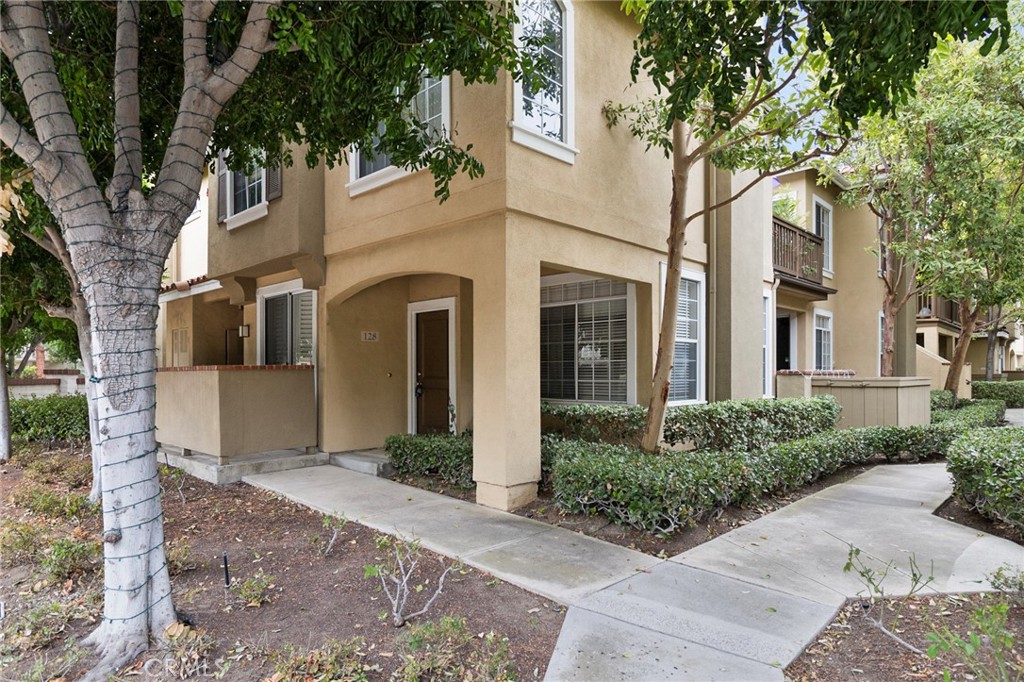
385 176
247 216
829 273
529 137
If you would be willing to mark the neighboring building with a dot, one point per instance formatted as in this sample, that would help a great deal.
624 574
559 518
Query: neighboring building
540 281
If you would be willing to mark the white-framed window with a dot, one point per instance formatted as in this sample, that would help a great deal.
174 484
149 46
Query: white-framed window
687 380
286 324
767 359
822 339
587 339
432 107
544 109
823 228
242 197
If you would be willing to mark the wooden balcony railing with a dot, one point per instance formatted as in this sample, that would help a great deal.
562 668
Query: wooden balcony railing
934 307
797 252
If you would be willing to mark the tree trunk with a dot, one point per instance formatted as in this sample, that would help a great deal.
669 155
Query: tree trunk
26 356
137 601
655 421
5 414
993 338
890 309
968 320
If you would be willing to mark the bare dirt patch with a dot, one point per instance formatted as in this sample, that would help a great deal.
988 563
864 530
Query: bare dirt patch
311 597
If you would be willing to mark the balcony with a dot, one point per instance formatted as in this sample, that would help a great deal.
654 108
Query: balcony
935 308
798 256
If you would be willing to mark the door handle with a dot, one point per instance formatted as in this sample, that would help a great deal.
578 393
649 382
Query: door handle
419 389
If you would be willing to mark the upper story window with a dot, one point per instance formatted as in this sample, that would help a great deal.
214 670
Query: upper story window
430 106
544 109
823 228
243 196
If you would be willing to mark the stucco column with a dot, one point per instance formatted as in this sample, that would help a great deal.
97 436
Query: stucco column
506 384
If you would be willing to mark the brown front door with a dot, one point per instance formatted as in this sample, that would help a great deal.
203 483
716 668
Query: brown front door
432 372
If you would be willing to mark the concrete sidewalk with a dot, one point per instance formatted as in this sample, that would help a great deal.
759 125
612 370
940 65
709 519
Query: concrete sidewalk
739 607
1015 416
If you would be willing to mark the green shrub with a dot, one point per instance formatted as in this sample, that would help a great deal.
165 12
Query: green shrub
725 425
942 400
47 502
53 418
750 424
67 557
987 466
446 650
1010 391
972 413
656 492
333 661
448 457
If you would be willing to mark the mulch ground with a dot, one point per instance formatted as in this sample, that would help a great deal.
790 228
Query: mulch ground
313 598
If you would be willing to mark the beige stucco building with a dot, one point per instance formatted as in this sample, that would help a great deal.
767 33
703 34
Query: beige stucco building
541 280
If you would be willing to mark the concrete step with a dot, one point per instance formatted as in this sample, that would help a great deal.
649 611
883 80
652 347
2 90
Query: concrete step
372 462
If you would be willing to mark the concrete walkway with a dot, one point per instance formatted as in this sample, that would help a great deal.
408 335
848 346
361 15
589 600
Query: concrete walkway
1015 416
739 607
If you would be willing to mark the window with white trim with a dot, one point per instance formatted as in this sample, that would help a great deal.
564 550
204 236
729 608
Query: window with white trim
586 340
242 196
544 108
430 107
881 340
686 380
286 317
823 228
822 340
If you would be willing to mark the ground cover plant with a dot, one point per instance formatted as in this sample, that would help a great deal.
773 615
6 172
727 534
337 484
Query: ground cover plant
289 601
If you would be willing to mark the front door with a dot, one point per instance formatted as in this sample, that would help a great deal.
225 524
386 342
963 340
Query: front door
782 344
432 372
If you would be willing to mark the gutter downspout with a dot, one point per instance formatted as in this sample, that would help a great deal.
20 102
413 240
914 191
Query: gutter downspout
711 198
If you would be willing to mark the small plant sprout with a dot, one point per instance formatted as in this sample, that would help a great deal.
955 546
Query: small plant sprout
396 574
874 580
254 591
987 651
333 523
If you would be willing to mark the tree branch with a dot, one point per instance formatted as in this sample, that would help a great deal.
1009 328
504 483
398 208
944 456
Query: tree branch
254 43
127 131
194 31
27 147
59 311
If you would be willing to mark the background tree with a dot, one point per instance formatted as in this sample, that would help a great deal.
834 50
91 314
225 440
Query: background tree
768 87
98 97
944 177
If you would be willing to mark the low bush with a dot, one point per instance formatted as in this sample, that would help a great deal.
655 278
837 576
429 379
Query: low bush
73 472
333 660
47 502
22 541
725 425
447 650
987 466
668 490
1010 391
746 425
942 400
68 557
53 418
972 413
447 457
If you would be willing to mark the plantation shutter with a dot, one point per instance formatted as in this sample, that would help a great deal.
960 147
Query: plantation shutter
274 183
683 379
222 188
275 331
302 328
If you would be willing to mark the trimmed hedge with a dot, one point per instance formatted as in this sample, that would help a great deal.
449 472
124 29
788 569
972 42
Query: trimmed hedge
724 426
1010 391
987 466
747 425
53 418
669 490
448 457
942 400
972 413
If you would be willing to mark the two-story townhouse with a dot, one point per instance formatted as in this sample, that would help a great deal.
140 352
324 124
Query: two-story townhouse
541 280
